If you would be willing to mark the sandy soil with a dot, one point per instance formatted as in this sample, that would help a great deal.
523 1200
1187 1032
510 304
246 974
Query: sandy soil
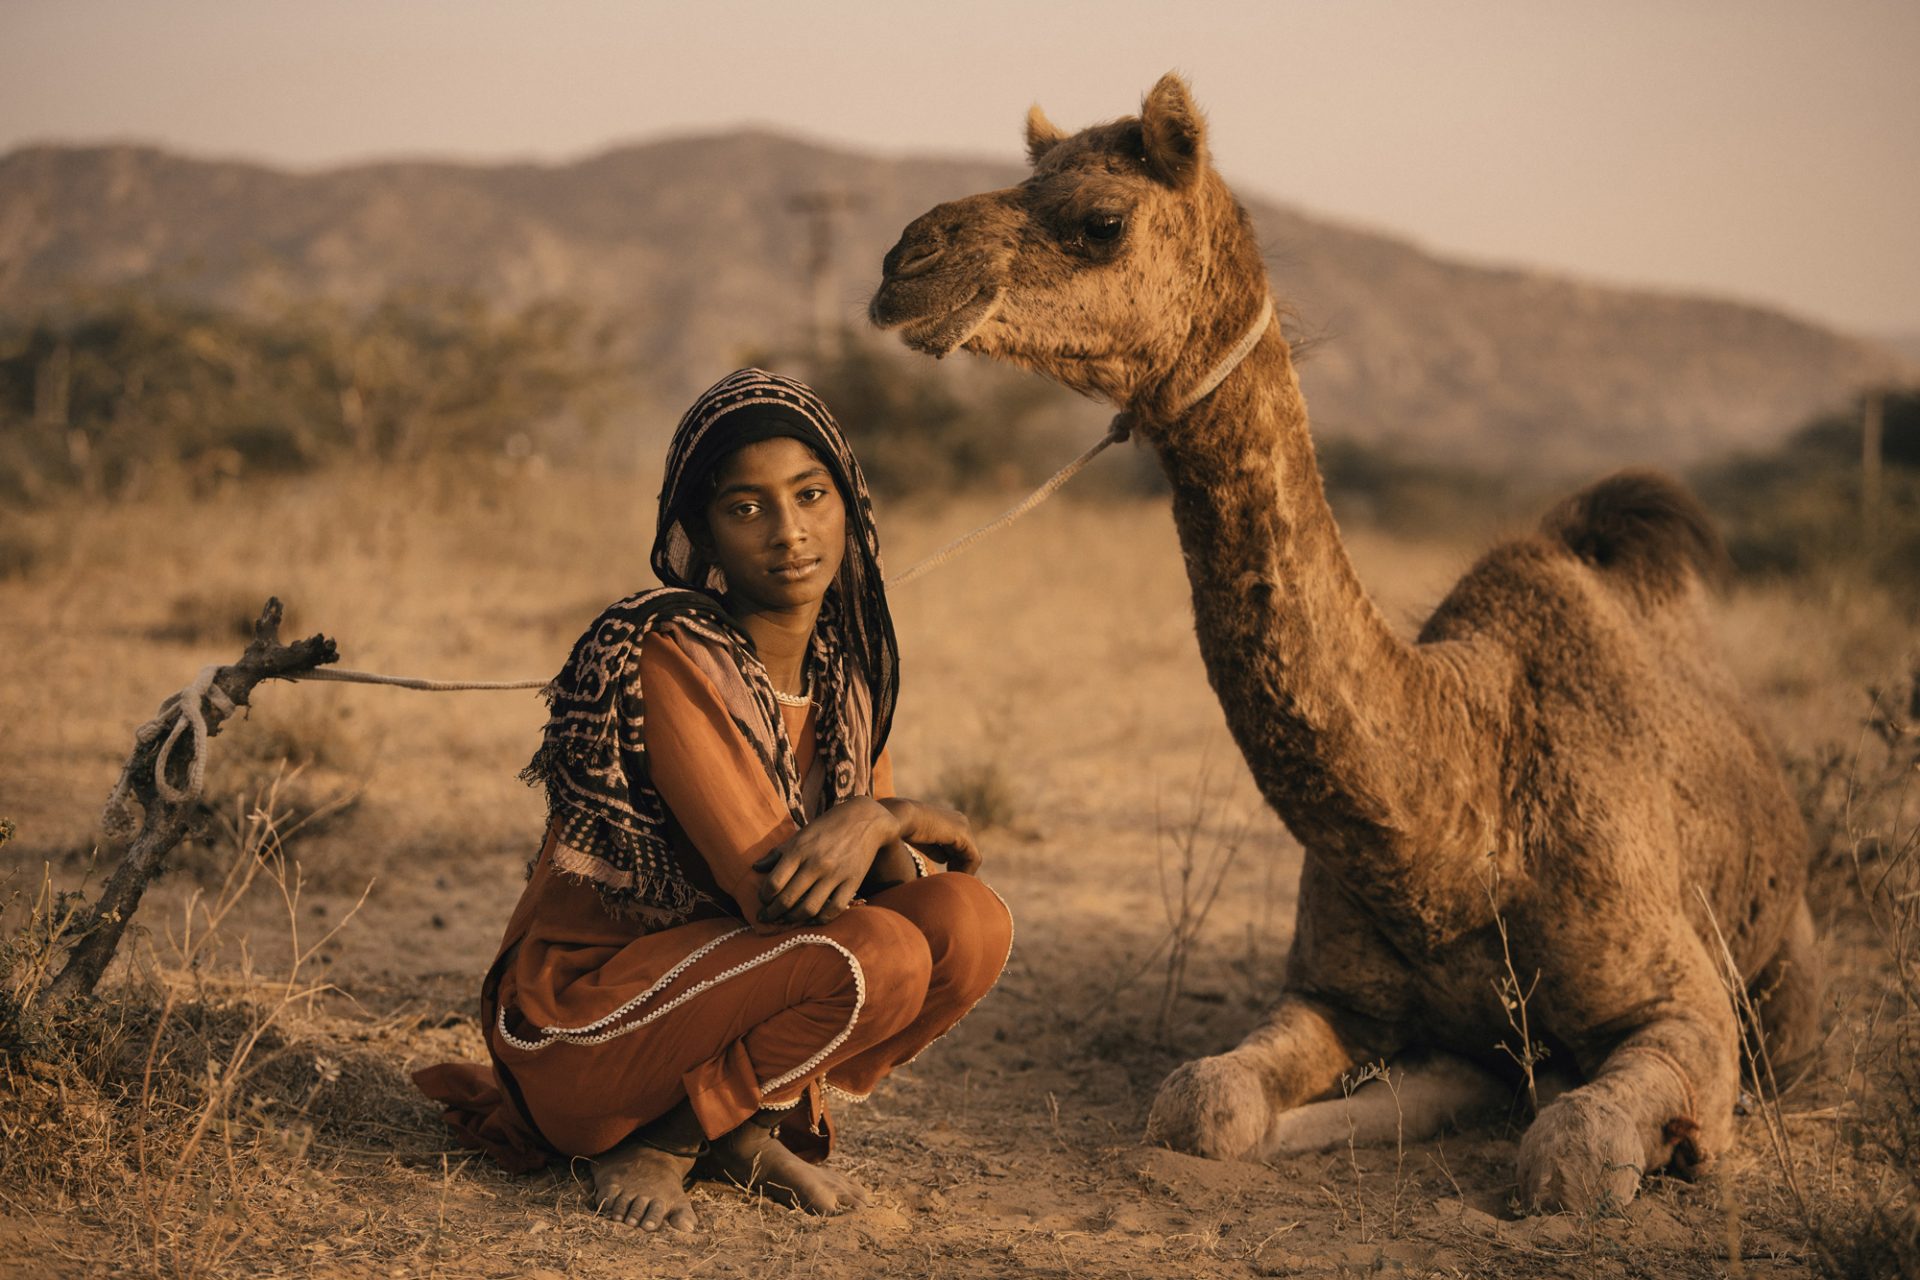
1051 673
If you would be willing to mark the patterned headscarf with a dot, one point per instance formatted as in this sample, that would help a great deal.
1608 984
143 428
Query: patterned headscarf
612 828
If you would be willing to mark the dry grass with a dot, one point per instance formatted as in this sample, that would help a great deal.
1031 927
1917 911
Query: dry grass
1858 1185
1061 655
1526 1052
1204 847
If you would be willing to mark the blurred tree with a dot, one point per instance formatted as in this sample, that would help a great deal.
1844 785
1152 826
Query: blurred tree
1798 508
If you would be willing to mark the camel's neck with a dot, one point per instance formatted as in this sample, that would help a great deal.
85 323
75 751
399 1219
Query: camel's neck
1338 719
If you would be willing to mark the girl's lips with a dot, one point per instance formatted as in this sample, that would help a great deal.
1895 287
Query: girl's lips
793 570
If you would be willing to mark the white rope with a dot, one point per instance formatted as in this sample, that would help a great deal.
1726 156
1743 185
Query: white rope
1120 429
413 682
1231 361
1115 434
181 716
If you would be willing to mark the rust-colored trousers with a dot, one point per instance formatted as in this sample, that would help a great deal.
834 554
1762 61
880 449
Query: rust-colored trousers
591 1043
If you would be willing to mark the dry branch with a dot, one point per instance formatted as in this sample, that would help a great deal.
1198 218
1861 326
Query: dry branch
166 819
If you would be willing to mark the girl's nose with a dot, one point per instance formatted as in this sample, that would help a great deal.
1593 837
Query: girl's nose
789 529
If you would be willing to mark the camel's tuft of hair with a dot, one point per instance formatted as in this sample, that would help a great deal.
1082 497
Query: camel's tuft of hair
1641 525
1173 131
1042 134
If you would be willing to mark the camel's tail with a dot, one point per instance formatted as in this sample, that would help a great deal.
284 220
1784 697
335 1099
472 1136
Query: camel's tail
1642 526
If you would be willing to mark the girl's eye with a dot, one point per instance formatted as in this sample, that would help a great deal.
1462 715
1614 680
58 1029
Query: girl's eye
744 509
812 495
1103 227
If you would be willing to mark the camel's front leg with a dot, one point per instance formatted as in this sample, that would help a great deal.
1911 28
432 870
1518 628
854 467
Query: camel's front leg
1226 1107
1662 1096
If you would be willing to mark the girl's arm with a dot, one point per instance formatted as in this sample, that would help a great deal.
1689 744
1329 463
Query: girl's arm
816 872
896 864
709 777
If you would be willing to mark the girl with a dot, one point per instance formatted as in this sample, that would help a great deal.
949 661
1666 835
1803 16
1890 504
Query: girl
731 915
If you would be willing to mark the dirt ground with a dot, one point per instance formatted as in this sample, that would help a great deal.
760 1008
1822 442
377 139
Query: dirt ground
1051 679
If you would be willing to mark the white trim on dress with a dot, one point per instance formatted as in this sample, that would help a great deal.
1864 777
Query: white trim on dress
603 1029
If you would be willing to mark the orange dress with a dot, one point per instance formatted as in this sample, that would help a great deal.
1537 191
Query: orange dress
597 1026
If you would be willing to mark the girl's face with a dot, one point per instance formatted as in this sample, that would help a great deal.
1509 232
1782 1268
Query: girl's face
776 526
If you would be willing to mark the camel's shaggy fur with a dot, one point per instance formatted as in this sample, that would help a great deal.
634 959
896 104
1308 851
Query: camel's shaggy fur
1558 749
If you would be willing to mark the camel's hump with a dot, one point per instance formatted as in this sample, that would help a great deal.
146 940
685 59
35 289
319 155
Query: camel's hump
1641 525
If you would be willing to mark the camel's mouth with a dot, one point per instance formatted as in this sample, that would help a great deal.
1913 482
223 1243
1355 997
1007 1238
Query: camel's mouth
937 333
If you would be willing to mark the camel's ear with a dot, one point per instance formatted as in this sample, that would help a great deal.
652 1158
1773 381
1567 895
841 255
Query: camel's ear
1042 134
1174 131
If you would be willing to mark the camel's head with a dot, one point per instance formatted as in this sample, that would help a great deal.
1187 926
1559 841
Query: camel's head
1121 267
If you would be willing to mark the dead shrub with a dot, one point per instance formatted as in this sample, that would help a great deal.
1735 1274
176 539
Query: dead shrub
982 789
1861 1207
186 1114
20 553
1203 850
314 756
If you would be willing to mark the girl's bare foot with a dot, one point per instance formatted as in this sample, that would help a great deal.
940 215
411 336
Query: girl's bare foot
753 1158
643 1181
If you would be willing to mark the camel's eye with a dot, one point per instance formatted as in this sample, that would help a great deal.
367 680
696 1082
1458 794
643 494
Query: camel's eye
1103 228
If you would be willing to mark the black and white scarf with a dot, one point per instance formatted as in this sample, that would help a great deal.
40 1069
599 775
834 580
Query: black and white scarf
611 826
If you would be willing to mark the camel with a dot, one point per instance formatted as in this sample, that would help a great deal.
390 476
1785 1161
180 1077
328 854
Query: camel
1551 792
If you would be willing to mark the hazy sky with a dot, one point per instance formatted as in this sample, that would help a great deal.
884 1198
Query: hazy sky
1763 150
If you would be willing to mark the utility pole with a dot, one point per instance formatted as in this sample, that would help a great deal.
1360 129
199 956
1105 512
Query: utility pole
821 208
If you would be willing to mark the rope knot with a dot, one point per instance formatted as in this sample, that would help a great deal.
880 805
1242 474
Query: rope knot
180 716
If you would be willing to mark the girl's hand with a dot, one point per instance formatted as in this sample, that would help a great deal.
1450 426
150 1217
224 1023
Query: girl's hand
812 877
938 832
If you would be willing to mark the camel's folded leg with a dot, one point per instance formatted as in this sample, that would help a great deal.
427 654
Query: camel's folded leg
1223 1107
1410 1105
1663 1096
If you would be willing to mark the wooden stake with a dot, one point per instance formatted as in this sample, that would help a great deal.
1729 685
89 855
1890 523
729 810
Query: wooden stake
164 822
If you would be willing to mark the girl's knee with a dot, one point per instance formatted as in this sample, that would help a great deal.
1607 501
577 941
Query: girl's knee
894 960
967 926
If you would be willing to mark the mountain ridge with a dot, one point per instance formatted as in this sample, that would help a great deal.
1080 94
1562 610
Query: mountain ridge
688 244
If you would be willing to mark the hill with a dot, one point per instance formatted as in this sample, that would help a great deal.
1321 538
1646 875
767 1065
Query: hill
693 248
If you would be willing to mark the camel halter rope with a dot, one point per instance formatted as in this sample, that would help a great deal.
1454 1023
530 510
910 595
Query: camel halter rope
181 719
1117 431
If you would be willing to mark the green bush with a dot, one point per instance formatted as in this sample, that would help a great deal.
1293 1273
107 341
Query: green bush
922 429
102 396
1369 486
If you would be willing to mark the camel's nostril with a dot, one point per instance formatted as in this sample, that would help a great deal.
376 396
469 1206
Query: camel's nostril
914 261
